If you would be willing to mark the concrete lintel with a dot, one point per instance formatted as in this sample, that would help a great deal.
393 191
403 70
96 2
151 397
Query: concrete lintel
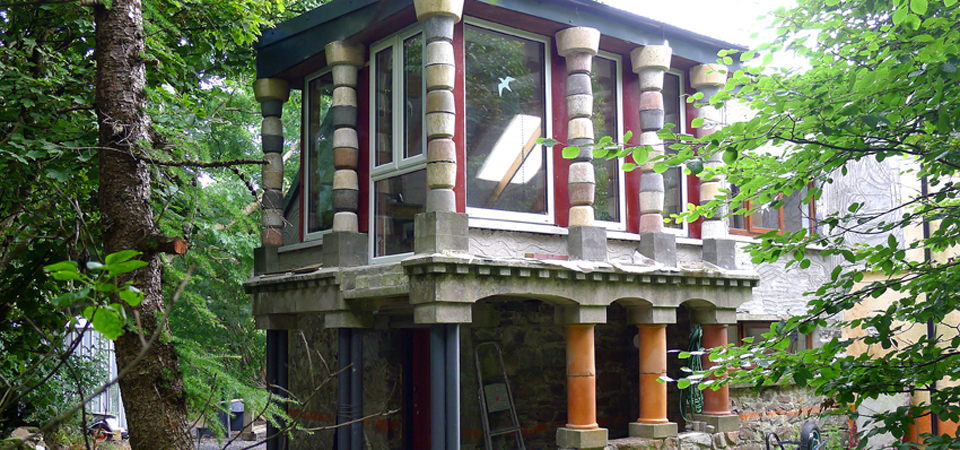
587 243
653 430
276 322
570 438
344 249
436 313
721 424
580 314
348 319
651 315
714 316
441 231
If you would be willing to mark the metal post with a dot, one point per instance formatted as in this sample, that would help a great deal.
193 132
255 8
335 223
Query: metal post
438 388
356 389
343 388
453 386
272 381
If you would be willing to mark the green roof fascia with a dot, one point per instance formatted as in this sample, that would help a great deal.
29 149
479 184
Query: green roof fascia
302 38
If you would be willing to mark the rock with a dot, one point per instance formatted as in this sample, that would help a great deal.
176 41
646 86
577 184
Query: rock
747 434
719 441
733 437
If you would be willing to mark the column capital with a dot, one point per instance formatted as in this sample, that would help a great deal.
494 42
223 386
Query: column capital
651 315
656 57
714 316
341 53
431 8
578 40
265 89
580 315
708 75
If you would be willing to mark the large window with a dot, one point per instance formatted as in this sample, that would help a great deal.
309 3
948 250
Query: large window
508 174
607 105
318 134
398 176
674 182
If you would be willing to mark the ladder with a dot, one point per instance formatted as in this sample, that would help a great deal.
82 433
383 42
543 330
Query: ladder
496 397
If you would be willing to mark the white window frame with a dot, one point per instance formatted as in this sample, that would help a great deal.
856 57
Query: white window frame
305 162
549 217
684 229
399 165
621 225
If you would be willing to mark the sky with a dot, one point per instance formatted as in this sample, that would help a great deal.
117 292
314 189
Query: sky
730 20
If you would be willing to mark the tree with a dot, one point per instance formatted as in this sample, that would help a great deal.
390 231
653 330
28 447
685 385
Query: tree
882 82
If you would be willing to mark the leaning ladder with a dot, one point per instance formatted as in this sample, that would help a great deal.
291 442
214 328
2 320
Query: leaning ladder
496 397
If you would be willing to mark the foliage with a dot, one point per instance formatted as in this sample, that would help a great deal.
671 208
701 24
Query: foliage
882 84
199 60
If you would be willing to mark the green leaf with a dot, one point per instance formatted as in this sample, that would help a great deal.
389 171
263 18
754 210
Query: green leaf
730 156
93 265
107 322
132 296
125 267
120 256
697 122
629 167
661 167
748 55
61 266
912 22
627 136
918 6
571 152
695 166
683 383
899 15
64 275
547 142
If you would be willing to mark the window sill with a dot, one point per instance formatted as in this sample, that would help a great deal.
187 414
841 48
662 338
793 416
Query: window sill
493 224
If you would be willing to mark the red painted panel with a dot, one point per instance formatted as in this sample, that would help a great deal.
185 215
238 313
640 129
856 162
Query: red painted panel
363 134
304 191
631 122
693 181
459 135
561 166
421 389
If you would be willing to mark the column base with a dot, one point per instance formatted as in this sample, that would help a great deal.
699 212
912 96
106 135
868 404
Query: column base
653 430
441 231
660 247
570 438
344 249
587 243
720 252
721 424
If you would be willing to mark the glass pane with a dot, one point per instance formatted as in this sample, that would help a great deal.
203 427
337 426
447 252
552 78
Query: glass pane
673 194
398 200
320 155
671 101
607 200
738 222
795 213
505 114
384 107
413 96
673 178
766 218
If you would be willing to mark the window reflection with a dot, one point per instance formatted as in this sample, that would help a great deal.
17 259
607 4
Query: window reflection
505 114
673 177
398 200
320 155
384 106
413 96
605 107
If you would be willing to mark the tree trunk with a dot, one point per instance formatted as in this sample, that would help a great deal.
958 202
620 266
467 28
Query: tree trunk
153 393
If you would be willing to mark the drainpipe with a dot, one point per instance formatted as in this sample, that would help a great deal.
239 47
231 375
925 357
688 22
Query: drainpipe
931 328
276 378
356 389
343 388
453 386
438 388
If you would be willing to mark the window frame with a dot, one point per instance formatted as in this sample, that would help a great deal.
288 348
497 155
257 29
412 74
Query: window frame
620 225
549 216
684 229
750 230
399 164
305 160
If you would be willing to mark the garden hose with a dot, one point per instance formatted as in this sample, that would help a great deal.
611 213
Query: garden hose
691 398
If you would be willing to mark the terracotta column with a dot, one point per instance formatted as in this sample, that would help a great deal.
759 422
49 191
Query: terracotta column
652 343
653 365
581 378
715 402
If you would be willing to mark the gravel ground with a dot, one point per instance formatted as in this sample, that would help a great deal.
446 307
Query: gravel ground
211 443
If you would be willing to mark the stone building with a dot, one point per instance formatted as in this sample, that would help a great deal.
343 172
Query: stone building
428 219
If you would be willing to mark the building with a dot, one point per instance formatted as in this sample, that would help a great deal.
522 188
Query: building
428 219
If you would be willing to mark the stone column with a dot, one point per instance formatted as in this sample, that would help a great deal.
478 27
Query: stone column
272 93
652 341
650 63
717 249
578 45
441 228
345 246
581 431
716 403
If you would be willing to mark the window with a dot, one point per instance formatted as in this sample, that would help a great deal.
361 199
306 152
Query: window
608 202
674 181
318 134
509 176
756 330
397 141
792 216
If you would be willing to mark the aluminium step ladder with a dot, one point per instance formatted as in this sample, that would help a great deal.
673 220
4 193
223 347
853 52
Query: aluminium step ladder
496 397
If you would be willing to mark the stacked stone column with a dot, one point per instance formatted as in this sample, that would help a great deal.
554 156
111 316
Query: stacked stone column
708 79
578 45
650 63
272 93
441 228
345 60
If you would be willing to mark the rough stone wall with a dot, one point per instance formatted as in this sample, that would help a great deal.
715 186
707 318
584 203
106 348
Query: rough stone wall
534 353
313 359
